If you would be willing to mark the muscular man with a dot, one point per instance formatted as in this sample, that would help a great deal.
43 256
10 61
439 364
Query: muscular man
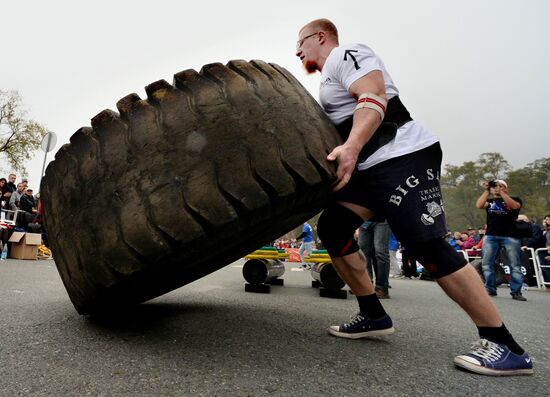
389 165
502 212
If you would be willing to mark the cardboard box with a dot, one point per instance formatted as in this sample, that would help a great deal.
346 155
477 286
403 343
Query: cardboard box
25 245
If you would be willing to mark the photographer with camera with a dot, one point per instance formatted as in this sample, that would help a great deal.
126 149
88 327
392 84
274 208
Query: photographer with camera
502 212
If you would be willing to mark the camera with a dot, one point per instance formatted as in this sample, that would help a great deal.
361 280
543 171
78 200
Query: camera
492 184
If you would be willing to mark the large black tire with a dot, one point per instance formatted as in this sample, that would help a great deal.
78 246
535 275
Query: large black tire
184 182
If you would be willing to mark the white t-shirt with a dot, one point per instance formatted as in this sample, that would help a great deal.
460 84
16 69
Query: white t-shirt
348 63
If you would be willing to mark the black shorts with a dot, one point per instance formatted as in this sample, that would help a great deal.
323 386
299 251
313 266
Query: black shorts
404 190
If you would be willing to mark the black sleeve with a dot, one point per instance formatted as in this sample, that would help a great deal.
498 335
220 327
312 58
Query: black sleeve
301 236
538 238
25 204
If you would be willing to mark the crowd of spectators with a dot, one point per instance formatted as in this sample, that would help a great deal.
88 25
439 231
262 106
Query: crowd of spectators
14 195
286 243
469 241
19 204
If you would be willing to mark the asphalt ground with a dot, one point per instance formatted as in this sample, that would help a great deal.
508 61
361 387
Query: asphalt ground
211 338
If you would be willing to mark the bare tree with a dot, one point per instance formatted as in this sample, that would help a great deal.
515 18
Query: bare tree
19 136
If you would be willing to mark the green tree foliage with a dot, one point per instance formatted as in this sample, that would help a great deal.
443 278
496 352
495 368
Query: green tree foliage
533 185
461 187
493 166
19 136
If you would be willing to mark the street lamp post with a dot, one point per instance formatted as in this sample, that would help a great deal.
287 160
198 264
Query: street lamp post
48 143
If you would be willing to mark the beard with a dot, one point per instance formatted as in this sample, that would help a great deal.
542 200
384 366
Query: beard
311 67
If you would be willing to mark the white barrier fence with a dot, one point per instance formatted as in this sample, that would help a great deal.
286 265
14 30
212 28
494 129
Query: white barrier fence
540 266
534 258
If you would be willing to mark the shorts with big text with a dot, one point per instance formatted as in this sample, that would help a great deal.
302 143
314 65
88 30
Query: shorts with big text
404 190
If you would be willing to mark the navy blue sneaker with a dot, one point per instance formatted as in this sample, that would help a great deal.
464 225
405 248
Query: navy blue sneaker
363 327
489 358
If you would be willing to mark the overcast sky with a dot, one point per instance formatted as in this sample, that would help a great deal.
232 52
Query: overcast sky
475 72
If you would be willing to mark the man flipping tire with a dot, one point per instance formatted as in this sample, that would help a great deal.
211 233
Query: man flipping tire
389 166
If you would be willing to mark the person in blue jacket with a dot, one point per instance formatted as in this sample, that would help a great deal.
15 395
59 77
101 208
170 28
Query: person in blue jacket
307 243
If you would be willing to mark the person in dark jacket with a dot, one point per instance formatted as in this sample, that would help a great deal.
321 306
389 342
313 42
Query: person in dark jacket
5 193
536 241
12 187
27 203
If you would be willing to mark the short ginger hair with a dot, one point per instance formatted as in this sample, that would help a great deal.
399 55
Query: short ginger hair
324 25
